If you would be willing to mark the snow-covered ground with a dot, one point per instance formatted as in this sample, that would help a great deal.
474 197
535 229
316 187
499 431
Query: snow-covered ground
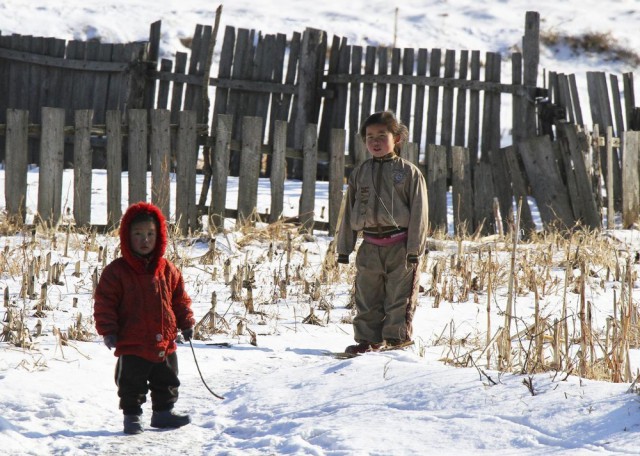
285 395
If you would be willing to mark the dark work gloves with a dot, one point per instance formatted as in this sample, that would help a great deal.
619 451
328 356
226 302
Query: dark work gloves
413 259
187 334
110 341
342 258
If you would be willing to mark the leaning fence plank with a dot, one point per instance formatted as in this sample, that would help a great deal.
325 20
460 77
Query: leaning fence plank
135 54
601 113
224 72
336 177
82 168
629 96
630 179
461 191
575 97
617 104
330 103
547 186
381 88
116 80
418 114
354 97
392 104
101 85
437 185
162 102
177 92
446 124
242 69
186 210
262 71
367 87
16 146
520 189
340 113
531 60
114 167
153 52
407 89
277 109
137 155
310 68
292 64
576 145
249 170
51 165
278 170
504 192
432 110
474 111
565 97
309 170
35 78
220 170
160 152
461 101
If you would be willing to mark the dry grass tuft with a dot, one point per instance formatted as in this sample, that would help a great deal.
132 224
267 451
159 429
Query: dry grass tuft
603 44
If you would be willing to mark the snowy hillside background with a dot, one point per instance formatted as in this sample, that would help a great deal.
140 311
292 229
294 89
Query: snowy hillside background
284 395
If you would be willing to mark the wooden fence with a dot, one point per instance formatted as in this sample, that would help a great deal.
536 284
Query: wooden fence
557 172
450 100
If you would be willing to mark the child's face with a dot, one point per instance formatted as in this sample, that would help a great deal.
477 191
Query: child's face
143 237
379 140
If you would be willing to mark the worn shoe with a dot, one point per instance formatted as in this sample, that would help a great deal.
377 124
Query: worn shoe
397 343
169 419
132 424
362 347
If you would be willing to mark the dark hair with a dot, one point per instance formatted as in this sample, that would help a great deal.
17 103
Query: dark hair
389 120
145 217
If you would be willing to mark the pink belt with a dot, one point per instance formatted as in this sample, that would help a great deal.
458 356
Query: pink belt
386 241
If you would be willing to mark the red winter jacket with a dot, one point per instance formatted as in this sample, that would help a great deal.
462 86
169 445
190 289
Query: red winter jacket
142 300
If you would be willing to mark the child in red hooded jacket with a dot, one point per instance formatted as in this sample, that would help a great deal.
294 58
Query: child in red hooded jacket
140 303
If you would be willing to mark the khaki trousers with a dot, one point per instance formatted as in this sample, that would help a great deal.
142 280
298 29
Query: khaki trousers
386 293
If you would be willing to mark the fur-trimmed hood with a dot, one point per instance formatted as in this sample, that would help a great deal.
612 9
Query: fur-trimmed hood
136 262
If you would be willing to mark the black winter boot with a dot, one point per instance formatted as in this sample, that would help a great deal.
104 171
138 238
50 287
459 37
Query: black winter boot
132 424
169 419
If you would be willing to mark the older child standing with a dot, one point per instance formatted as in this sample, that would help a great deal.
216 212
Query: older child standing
386 200
140 303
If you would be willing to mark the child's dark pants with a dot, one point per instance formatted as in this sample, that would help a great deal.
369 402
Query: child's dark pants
135 376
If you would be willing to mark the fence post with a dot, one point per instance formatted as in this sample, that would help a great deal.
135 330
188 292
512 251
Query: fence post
278 169
220 171
309 174
437 185
82 168
16 148
462 191
308 82
336 176
249 169
137 157
630 179
160 146
531 59
114 167
51 165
